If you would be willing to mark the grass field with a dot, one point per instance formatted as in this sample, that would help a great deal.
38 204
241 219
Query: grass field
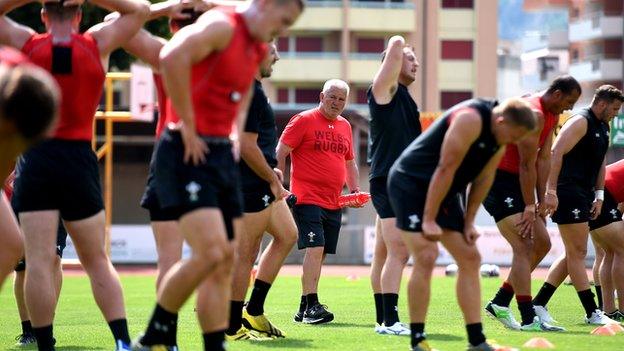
79 325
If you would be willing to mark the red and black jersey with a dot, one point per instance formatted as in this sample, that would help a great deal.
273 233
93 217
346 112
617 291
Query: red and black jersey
219 81
77 68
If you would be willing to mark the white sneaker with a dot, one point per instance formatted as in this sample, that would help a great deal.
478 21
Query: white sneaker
543 314
599 318
379 328
397 328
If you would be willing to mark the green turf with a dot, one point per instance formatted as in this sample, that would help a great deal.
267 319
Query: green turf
79 325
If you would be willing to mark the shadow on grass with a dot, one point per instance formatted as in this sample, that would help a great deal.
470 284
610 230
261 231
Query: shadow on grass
444 337
58 348
339 325
285 343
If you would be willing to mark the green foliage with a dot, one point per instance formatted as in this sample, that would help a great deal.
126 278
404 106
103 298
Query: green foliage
29 15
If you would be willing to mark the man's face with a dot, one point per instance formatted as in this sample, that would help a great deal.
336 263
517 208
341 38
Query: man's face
610 110
565 102
509 133
266 66
333 101
276 18
410 66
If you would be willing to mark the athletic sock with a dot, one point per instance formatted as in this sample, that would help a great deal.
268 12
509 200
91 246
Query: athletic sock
417 332
378 308
544 294
214 341
160 328
255 307
303 304
119 328
390 309
504 295
599 296
587 299
311 300
45 341
525 305
236 317
475 333
27 327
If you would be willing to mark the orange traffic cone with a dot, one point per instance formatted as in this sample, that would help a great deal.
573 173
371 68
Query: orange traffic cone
603 330
352 277
616 327
539 343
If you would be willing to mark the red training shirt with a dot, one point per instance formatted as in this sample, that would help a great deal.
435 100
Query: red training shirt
163 106
614 180
511 159
81 87
219 81
320 149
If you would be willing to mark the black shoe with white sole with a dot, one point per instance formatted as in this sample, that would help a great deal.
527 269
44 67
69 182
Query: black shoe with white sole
317 314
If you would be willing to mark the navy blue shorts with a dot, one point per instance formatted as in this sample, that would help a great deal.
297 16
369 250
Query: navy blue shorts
379 197
608 214
505 196
318 227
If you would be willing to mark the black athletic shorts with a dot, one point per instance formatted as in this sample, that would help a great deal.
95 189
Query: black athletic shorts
379 196
317 227
408 196
608 214
150 202
59 175
257 198
505 196
574 204
185 187
61 242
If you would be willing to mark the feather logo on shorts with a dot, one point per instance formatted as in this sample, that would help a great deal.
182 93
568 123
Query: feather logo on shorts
266 199
576 213
509 202
193 188
311 235
413 221
614 213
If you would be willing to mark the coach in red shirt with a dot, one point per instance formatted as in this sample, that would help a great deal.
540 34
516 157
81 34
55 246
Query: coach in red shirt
321 148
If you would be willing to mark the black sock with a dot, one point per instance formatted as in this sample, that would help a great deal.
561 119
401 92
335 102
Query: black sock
504 295
475 333
587 299
599 295
418 333
161 327
311 300
545 293
119 328
525 306
26 327
255 307
378 308
214 341
303 304
390 309
45 341
236 317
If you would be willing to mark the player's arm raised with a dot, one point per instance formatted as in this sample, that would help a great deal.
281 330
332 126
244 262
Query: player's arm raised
463 131
570 134
12 33
385 82
212 32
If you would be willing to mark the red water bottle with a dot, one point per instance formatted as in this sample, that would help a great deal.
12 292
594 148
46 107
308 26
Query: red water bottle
358 199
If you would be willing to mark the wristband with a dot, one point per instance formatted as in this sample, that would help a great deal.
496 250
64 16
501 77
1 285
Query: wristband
551 192
599 195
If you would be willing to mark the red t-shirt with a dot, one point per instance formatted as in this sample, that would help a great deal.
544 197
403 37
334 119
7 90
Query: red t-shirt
511 159
219 81
163 106
614 180
320 149
80 77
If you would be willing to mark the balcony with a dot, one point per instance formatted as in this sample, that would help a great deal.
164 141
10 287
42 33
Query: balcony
457 24
456 75
362 67
307 67
320 15
597 68
595 26
381 19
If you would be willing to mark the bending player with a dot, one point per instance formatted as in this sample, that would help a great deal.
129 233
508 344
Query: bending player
394 125
66 164
207 68
426 184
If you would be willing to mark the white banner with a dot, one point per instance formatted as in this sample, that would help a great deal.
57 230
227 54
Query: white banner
142 93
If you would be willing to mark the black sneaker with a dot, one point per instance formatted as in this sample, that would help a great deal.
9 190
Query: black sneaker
616 315
317 314
298 317
25 339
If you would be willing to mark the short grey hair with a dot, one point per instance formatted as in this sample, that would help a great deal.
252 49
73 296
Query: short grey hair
338 83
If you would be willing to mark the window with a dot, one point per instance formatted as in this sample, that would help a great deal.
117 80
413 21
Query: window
309 44
457 49
283 44
307 95
282 95
361 96
370 45
457 4
449 99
